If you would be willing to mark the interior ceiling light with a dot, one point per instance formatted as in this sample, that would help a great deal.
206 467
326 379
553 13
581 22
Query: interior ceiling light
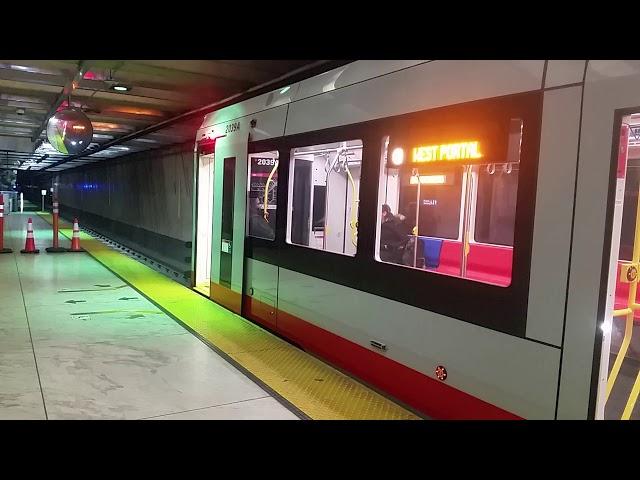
115 84
133 110
106 126
120 88
397 156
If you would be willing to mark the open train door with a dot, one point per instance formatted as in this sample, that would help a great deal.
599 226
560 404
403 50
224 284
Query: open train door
229 205
203 216
619 375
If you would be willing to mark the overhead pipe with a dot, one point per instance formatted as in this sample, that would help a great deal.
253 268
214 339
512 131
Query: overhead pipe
251 92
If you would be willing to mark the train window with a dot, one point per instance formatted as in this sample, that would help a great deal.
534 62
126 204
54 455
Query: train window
496 203
447 210
262 194
440 196
323 196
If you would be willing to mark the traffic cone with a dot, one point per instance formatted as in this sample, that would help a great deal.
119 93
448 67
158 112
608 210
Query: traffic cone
30 244
75 240
2 249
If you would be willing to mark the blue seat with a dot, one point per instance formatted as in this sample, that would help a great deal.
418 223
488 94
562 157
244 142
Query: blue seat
432 249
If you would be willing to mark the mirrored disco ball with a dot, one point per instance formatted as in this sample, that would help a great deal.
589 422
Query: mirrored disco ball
69 131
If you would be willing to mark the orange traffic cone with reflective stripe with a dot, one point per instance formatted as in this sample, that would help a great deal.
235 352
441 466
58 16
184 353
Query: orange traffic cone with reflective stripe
30 244
75 240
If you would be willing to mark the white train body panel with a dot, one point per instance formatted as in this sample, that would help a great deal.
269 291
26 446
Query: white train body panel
554 210
564 72
363 70
489 367
428 85
324 83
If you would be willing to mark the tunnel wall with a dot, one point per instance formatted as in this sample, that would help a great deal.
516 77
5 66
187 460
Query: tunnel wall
143 200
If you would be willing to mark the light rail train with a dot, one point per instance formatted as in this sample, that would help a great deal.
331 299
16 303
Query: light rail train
460 235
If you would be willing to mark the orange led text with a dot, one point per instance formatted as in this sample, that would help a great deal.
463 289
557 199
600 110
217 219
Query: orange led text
447 152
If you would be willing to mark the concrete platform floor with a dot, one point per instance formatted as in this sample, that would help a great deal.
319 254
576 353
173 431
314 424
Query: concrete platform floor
76 342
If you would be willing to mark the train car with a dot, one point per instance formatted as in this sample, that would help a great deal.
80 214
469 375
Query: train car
460 235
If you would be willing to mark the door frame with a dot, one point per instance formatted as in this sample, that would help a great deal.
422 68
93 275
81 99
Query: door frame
608 272
234 143
196 211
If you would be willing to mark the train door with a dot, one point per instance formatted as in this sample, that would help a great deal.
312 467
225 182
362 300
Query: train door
261 279
204 221
619 376
229 206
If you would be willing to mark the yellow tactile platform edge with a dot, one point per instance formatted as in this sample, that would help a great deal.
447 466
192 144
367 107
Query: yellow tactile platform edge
317 389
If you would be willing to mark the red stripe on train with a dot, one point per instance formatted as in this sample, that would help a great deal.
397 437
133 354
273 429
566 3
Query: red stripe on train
427 395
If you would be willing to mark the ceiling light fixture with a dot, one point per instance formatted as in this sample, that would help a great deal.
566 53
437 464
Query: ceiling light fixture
120 88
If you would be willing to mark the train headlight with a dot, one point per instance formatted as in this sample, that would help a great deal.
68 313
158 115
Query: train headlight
397 156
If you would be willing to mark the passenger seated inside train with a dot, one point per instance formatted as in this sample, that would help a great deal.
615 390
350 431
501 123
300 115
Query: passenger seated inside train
393 236
410 256
259 226
398 240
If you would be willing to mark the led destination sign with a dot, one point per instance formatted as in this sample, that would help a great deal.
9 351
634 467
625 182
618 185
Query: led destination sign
448 152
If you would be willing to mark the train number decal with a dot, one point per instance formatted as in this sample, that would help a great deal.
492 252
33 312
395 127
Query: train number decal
266 161
232 127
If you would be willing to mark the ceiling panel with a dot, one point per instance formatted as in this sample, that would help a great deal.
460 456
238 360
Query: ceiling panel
32 90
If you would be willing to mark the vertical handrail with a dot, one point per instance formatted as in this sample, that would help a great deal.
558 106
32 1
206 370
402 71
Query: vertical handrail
354 207
326 196
266 190
633 397
415 230
466 220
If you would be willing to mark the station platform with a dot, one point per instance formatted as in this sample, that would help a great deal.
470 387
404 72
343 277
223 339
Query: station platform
98 335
